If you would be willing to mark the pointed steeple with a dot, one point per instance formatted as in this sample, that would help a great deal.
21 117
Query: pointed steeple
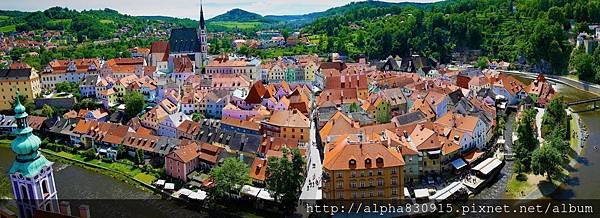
202 22
26 145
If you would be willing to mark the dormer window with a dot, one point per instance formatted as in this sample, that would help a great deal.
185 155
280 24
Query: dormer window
379 160
368 161
352 163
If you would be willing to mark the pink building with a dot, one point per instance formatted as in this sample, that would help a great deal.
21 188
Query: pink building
181 162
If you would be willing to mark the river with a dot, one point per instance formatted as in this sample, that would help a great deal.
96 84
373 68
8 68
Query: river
106 196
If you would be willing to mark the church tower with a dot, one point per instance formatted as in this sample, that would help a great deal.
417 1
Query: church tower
31 173
202 37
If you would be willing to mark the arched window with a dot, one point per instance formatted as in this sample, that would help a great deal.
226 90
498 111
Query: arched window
24 193
45 188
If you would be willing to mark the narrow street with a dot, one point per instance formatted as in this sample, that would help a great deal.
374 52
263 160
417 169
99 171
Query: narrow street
311 189
498 188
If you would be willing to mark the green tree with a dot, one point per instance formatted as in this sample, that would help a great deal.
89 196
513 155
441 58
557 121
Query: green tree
583 64
546 160
527 141
354 107
120 150
228 177
47 111
69 87
197 117
285 177
87 103
89 153
555 116
482 62
134 103
139 156
5 187
501 126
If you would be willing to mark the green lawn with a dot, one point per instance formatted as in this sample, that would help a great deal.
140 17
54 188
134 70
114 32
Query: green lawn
148 179
235 24
3 18
573 133
125 168
10 28
516 186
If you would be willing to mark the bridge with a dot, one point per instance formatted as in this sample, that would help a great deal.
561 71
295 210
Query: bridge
586 101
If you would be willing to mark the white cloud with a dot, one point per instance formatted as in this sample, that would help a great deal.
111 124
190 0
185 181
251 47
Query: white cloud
186 8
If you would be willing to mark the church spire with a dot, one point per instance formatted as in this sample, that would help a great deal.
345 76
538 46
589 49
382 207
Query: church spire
202 22
31 174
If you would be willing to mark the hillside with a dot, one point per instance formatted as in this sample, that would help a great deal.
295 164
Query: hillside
91 24
532 32
239 15
310 17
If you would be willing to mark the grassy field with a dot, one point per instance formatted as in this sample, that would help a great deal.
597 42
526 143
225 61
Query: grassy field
130 170
9 28
235 24
3 18
516 185
574 131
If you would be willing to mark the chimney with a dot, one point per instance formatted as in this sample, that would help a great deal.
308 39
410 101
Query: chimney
84 211
65 208
405 133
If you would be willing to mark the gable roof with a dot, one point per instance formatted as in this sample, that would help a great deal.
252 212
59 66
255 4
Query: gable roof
184 40
361 153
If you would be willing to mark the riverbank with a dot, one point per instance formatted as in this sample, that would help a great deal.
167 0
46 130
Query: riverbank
122 172
529 186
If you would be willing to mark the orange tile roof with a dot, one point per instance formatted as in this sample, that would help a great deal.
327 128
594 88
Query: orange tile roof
246 124
459 121
289 118
258 169
186 153
364 155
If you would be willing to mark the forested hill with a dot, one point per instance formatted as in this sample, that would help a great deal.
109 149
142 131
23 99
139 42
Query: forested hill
92 24
239 15
310 17
536 31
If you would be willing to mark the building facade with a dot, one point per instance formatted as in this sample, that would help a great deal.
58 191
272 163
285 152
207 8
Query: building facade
25 81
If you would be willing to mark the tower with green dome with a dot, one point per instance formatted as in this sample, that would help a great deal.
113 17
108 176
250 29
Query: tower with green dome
31 174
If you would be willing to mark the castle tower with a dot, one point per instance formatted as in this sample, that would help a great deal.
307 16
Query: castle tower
202 37
31 173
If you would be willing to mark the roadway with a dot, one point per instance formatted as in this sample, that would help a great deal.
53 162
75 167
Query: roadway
585 86
311 190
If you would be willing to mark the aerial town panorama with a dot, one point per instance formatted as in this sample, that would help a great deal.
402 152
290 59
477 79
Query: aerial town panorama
369 108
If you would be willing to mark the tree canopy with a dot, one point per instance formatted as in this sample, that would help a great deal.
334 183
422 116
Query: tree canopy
228 177
527 141
134 103
546 160
285 177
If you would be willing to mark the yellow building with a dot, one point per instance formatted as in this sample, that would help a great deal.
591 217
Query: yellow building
362 170
287 124
310 69
24 80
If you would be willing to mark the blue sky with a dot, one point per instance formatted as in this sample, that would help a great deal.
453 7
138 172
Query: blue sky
186 8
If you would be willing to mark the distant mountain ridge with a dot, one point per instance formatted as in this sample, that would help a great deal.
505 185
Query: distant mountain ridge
240 15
